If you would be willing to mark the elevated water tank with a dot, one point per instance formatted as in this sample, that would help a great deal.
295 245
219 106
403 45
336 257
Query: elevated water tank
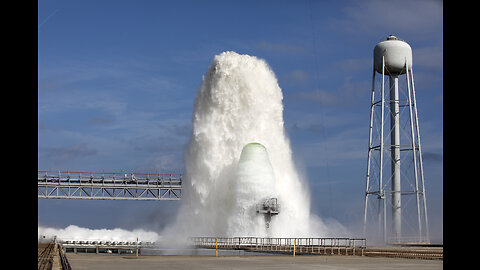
396 52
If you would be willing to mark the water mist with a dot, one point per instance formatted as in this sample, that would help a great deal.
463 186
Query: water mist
240 102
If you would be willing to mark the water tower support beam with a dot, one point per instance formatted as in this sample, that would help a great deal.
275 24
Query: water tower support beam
395 156
381 195
412 131
420 159
370 149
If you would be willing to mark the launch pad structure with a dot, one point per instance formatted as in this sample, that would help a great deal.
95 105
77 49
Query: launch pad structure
268 208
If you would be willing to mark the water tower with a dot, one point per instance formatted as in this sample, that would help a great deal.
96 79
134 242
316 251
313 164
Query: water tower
395 202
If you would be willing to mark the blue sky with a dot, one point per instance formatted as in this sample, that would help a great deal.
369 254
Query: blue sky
117 79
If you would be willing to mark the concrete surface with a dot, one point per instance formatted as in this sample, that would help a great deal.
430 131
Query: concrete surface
92 261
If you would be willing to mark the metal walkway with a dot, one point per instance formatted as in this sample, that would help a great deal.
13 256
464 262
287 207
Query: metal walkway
331 246
104 247
109 186
319 246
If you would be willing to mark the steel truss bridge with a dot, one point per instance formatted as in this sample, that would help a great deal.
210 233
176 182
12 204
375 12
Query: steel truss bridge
109 186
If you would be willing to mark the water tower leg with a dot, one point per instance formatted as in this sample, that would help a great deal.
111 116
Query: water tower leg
370 149
395 155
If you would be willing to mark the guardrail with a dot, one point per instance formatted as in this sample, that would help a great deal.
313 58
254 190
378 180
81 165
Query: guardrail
105 247
63 258
410 252
339 246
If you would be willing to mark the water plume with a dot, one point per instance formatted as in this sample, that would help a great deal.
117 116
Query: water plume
239 102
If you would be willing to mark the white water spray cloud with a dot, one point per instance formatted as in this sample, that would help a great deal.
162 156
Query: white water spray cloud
76 233
239 102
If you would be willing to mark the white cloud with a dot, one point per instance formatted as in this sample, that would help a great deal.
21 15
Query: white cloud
417 18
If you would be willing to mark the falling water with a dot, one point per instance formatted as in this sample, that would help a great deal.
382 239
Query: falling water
239 102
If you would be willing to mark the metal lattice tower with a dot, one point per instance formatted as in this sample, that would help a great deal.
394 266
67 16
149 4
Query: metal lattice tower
395 203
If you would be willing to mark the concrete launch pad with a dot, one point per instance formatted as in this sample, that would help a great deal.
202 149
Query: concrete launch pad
278 262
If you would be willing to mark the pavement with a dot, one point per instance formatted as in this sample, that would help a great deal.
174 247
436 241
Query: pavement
277 262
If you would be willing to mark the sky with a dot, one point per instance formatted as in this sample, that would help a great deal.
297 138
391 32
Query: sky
117 80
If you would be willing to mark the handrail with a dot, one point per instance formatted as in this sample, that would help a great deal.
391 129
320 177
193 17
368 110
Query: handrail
323 245
120 173
63 259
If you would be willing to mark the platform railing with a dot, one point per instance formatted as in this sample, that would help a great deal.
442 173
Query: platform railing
340 246
63 258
